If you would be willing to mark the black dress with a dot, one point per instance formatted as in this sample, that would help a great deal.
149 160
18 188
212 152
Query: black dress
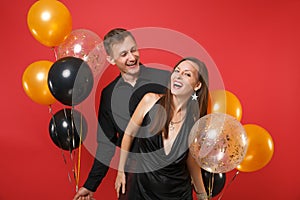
163 176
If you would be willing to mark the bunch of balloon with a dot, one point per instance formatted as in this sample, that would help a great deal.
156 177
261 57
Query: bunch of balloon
260 149
49 21
35 82
260 146
218 142
223 101
84 44
68 80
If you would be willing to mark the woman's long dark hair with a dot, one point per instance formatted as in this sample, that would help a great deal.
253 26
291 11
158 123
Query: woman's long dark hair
196 109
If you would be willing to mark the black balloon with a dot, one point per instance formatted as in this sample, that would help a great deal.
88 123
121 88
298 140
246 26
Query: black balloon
218 183
65 128
70 80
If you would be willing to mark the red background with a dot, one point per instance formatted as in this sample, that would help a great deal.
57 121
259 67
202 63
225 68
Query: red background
255 45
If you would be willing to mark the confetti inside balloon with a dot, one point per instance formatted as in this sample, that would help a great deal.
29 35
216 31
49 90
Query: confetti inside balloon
218 142
84 44
97 59
78 44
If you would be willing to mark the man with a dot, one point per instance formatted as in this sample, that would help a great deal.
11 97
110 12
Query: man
118 101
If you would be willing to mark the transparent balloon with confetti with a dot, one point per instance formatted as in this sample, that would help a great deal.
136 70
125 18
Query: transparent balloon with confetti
218 142
87 45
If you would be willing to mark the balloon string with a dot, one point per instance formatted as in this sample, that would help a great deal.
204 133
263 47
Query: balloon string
71 147
73 130
59 144
55 54
79 154
210 185
75 172
229 184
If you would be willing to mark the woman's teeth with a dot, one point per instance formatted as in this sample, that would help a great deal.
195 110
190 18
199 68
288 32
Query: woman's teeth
177 85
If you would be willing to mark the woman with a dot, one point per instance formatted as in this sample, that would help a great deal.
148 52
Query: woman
165 166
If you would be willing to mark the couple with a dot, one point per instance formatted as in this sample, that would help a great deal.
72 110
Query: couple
157 132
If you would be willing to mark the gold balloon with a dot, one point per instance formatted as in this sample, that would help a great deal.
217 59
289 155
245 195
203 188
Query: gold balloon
260 149
49 22
223 101
35 82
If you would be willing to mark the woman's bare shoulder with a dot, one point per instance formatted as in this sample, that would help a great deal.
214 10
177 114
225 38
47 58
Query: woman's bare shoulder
151 98
146 104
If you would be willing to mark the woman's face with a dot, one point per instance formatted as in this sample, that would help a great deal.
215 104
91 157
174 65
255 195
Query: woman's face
185 79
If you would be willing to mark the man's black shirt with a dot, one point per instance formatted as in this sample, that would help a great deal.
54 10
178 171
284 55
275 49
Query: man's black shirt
118 102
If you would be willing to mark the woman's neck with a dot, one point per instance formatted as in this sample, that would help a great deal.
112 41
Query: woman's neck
180 104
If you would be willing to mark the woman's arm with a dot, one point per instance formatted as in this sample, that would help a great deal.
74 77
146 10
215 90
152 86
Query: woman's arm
130 132
195 172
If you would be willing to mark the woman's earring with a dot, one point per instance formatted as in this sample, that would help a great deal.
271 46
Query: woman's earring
194 96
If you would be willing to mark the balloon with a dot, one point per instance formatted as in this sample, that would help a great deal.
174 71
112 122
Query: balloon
34 81
260 149
218 142
49 22
63 130
78 44
97 59
223 101
213 182
84 44
70 80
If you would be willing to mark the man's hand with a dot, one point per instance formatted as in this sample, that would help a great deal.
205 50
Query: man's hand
84 194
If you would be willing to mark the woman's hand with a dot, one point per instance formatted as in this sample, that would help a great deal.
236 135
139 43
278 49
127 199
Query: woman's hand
120 182
202 196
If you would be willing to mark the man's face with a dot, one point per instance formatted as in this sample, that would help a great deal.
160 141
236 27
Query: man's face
126 56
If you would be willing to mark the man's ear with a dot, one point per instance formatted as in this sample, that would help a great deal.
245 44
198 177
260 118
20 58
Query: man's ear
197 86
111 60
